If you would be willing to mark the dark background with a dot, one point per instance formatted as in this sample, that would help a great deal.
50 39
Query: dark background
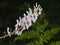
10 10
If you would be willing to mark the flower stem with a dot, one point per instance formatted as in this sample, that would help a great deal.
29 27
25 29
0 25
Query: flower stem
11 33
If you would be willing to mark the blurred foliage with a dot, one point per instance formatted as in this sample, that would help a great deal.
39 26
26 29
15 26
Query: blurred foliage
45 31
55 43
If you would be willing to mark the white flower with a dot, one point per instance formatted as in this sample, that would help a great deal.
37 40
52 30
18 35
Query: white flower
18 22
27 12
40 9
26 26
30 15
32 18
16 25
24 15
35 13
35 9
29 20
20 19
35 16
9 33
36 4
23 23
16 32
20 32
30 11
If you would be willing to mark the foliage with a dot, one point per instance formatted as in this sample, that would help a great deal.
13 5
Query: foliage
55 43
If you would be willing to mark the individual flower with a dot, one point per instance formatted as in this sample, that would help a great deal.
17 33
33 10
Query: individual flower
9 33
23 23
19 21
40 9
29 22
16 25
24 15
27 12
36 4
16 32
19 32
30 11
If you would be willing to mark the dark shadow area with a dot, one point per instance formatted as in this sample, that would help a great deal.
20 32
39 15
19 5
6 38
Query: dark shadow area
53 12
25 41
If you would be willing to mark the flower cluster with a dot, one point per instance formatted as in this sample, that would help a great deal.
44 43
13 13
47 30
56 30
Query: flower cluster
25 22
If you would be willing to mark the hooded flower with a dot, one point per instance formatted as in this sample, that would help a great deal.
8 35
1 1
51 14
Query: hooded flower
9 33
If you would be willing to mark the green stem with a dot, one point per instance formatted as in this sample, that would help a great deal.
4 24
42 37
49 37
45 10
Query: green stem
8 35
